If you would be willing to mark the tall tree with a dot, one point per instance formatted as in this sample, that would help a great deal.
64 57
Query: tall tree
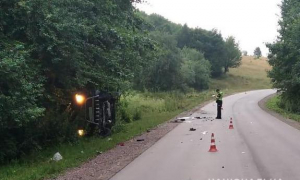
210 43
165 73
285 56
21 89
257 53
185 36
233 55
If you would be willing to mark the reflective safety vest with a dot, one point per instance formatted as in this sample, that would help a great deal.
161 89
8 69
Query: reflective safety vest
220 96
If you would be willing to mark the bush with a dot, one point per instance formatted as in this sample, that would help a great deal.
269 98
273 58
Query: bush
118 127
195 69
122 112
137 114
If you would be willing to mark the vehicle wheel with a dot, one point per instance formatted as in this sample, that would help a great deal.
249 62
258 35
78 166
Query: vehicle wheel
105 132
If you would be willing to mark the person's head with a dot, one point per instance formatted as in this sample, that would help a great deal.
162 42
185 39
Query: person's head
217 90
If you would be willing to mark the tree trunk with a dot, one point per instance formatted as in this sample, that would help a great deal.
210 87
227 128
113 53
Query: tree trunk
226 69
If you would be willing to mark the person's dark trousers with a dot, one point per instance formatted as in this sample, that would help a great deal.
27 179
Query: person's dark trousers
219 108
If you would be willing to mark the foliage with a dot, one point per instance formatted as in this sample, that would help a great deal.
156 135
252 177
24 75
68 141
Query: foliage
195 69
122 114
170 38
257 53
284 56
210 43
275 104
137 115
166 71
118 127
53 49
233 55
21 88
159 23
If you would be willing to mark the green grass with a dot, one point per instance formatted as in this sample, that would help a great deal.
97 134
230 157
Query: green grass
273 104
154 108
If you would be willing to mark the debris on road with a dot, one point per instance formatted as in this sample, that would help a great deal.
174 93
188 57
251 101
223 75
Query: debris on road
140 140
183 118
231 124
121 144
200 139
57 157
204 132
99 152
187 121
192 129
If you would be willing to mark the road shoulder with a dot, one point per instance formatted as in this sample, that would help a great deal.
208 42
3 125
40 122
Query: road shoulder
262 105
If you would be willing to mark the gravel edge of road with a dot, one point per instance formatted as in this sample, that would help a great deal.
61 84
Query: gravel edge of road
109 163
262 105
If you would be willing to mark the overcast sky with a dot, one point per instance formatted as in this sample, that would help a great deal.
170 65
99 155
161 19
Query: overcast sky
252 22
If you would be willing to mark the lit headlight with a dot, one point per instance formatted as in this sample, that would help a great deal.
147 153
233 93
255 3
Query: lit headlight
81 132
79 99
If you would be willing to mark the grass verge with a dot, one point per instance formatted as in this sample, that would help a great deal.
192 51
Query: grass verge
273 104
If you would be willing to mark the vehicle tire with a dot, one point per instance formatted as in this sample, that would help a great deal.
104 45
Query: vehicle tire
105 132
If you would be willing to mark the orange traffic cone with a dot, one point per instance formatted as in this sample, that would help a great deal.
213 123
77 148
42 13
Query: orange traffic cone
231 125
213 147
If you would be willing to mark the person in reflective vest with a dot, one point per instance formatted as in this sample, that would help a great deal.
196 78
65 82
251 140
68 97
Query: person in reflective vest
219 102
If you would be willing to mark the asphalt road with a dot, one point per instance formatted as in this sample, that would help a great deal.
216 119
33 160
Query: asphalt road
259 147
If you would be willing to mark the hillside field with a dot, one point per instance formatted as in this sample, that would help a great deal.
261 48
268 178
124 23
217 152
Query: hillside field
252 74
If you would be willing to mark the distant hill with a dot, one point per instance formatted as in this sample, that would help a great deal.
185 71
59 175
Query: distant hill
250 75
